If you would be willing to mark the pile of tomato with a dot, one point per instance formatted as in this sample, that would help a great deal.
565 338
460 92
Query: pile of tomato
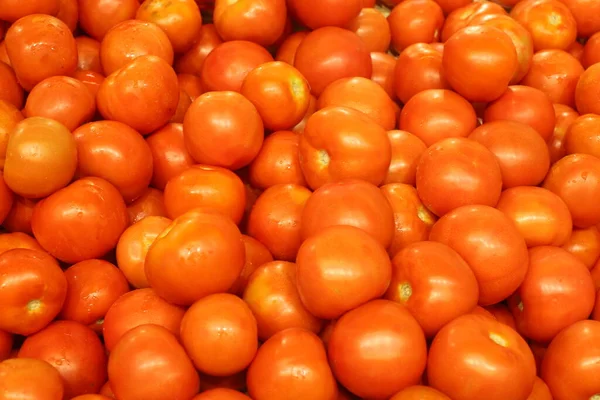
300 200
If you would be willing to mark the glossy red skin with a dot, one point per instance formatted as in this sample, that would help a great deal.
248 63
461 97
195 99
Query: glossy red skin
415 21
191 61
420 393
330 53
569 368
19 217
257 254
286 52
33 289
169 154
406 152
92 80
26 378
88 54
461 17
585 245
396 355
580 136
150 203
18 240
317 14
75 351
97 17
89 233
167 371
565 116
383 65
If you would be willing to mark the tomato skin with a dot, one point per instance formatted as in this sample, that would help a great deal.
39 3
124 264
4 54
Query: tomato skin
565 116
7 198
330 53
373 28
327 157
168 373
33 290
540 215
568 369
18 240
92 80
580 136
202 336
492 246
150 203
274 371
587 90
388 330
74 350
136 308
317 13
200 253
286 52
221 394
585 245
170 157
367 269
257 254
383 65
192 60
28 378
97 17
461 17
415 21
540 391
449 162
419 393
434 283
89 233
10 89
406 152
40 46
475 337
10 116
88 54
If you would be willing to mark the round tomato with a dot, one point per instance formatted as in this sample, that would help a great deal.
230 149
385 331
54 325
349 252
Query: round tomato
406 152
419 393
586 14
383 65
415 21
97 17
9 117
581 136
461 17
18 240
319 13
373 28
221 394
28 378
88 54
585 245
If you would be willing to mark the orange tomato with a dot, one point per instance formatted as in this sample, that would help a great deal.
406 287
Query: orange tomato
30 378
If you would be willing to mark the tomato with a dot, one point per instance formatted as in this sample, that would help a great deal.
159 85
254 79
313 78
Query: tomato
27 378
97 17
540 391
576 179
551 24
434 283
319 13
192 60
586 14
383 65
202 336
596 313
257 254
526 105
479 62
447 164
568 367
13 10
542 218
312 108
74 350
18 240
40 46
286 52
330 53
221 394
564 118
6 199
92 80
261 22
92 287
396 355
585 245
471 337
276 219
170 156
349 202
200 253
32 288
332 280
502 314
10 89
373 28
223 129
19 217
180 20
580 137
228 64
168 373
9 117
107 391
144 107
461 17
406 152
419 393
6 345
341 143
521 152
556 73
415 21
185 101
88 54
360 94
492 246
68 12
90 214
587 91
150 203
437 114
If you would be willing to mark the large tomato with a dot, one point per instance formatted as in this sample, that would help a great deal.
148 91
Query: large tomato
415 21
373 28
96 17
27 378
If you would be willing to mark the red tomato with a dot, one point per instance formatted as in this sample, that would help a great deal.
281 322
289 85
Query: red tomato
434 283
6 199
88 54
420 393
200 253
10 116
511 366
586 14
191 61
587 91
569 366
32 290
151 203
461 17
502 314
170 156
90 214
27 378
18 240
415 21
542 218
75 351
330 53
283 358
202 328
137 308
580 136
373 28
334 279
396 355
564 118
92 80
92 287
10 89
286 52
585 245
341 143
221 394
257 254
540 391
521 152
319 13
492 246
97 17
446 167
383 65
406 152
167 374
437 114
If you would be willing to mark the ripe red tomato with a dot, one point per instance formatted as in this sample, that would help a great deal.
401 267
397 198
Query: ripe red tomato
32 290
88 54
192 60
18 240
373 28
28 378
9 117
415 21
19 217
396 355
585 245
568 367
492 246
419 393
257 254
92 80
383 65
587 91
97 17
150 203
170 156
75 351
586 15
580 137
564 118
168 373
282 359
319 13
406 152
474 337
461 17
